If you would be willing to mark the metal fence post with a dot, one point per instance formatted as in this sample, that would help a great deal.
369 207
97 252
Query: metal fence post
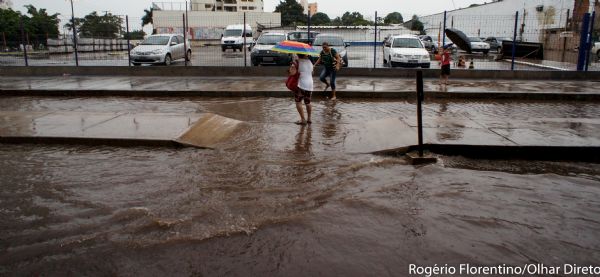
4 42
375 44
308 27
420 97
128 41
185 57
514 42
74 34
588 49
585 26
23 43
244 35
444 30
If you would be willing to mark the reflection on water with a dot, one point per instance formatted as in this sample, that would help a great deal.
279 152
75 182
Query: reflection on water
285 200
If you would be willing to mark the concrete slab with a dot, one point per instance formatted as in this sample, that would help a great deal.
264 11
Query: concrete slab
549 137
210 131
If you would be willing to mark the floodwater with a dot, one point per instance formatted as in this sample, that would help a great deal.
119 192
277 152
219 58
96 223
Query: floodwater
285 200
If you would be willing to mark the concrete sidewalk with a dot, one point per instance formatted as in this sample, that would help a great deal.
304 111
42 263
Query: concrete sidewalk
349 87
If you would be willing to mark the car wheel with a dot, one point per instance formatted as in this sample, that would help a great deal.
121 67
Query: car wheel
390 62
136 64
188 57
384 61
485 52
598 54
223 49
168 60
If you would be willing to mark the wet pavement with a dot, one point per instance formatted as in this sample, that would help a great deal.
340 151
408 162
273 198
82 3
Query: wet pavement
284 200
223 86
463 126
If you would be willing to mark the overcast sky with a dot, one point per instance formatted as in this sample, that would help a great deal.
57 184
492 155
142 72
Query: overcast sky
135 8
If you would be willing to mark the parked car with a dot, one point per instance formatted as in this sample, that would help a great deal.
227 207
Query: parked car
303 37
477 45
161 49
336 42
427 42
262 54
496 42
596 50
406 51
234 39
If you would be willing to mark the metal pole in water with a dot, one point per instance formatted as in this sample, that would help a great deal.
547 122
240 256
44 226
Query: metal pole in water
585 26
514 42
185 55
588 49
420 97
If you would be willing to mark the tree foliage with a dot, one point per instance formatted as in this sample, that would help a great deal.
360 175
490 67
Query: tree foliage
100 26
320 19
415 25
135 35
393 18
148 19
354 19
37 24
292 13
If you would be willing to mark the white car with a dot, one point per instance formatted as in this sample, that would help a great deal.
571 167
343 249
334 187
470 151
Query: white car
477 45
406 51
234 38
596 50
161 49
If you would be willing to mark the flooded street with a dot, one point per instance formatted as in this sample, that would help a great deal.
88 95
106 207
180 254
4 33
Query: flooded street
285 200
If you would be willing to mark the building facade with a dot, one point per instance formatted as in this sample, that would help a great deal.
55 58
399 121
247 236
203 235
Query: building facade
227 5
5 4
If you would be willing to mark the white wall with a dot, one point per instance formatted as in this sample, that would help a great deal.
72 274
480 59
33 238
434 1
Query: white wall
210 25
498 18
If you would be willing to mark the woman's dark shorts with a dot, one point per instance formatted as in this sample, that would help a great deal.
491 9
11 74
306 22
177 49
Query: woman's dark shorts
301 94
446 69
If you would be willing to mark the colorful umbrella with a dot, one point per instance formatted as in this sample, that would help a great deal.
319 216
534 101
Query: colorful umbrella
294 47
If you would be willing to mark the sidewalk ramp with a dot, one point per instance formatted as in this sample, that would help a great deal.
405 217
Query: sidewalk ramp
210 131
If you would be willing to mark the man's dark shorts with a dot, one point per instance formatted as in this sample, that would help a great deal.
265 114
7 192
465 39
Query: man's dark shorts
301 94
446 69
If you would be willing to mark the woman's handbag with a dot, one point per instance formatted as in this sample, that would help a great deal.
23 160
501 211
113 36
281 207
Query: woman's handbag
293 77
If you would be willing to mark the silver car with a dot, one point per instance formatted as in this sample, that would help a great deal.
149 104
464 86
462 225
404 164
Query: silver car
161 49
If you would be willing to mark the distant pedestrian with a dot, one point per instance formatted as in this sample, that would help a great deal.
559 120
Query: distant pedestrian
445 62
332 62
305 89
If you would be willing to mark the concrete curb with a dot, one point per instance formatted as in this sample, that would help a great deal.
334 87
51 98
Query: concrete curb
344 94
538 153
549 153
199 71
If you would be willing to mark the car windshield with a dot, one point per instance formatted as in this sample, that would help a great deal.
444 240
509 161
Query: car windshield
332 41
474 39
270 39
407 43
157 40
233 33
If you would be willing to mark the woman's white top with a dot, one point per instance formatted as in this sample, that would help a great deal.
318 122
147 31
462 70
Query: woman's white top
306 80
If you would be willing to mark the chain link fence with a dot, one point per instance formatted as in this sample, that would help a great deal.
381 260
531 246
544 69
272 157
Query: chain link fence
244 39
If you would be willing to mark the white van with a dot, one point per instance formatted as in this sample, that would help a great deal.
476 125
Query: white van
233 38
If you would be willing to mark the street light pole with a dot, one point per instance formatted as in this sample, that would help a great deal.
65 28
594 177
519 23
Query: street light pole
74 34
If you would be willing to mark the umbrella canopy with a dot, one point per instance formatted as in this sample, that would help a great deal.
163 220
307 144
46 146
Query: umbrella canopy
294 47
459 38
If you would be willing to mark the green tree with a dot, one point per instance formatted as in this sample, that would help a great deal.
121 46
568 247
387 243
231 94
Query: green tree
101 26
354 19
393 18
336 21
415 25
320 19
135 35
292 13
148 19
10 26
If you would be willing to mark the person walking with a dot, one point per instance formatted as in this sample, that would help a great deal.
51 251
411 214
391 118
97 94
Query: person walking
305 89
332 62
445 62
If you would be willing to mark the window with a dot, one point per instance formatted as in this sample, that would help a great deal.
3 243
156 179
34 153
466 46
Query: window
208 6
174 39
252 8
180 39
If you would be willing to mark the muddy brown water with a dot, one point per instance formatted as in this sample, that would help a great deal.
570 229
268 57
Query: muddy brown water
286 200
